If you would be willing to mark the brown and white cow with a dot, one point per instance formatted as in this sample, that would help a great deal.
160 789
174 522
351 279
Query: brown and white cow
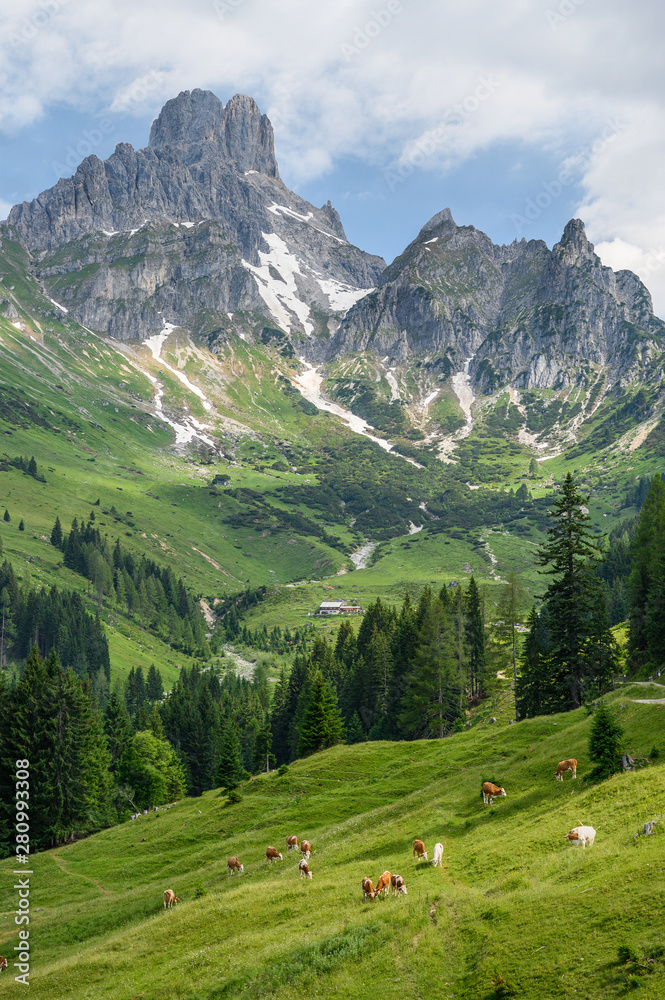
566 765
419 850
273 855
368 888
581 836
305 849
3 963
170 899
398 885
234 866
383 885
492 792
304 869
292 843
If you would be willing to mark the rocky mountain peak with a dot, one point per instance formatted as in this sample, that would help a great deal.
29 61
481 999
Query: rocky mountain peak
574 245
198 126
439 225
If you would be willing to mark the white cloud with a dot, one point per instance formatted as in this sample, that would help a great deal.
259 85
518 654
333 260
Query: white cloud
5 208
374 78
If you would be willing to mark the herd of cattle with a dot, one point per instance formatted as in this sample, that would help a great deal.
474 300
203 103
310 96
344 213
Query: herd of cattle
579 835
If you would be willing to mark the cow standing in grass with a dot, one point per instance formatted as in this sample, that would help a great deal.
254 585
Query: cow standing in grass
566 765
170 899
491 792
419 850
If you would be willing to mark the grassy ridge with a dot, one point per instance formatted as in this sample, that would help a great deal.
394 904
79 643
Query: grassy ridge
511 900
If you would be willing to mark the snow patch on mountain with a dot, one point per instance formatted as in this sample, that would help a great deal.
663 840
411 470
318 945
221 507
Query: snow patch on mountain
280 296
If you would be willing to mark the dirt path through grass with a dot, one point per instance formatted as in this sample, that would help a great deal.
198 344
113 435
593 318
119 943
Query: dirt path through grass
63 867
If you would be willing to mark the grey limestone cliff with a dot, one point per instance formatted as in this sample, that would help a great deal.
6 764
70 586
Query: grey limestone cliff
198 222
526 315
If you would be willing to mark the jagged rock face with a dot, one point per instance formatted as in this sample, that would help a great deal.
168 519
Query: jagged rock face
527 315
282 258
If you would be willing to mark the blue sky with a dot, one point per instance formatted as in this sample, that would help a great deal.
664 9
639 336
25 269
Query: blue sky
518 116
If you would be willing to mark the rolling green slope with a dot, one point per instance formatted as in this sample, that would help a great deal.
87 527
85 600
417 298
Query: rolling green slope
514 911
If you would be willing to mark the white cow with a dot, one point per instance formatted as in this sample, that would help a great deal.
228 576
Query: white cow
581 835
438 855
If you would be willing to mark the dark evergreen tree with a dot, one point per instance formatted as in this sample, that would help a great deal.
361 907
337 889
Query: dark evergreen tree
322 723
431 702
229 765
474 632
605 743
533 692
51 720
571 597
263 758
153 685
354 730
21 525
117 729
279 720
56 534
6 516
646 636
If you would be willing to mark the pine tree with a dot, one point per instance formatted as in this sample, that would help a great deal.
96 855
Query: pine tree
646 635
6 516
32 467
605 741
569 554
263 758
229 764
431 702
509 612
117 728
533 692
153 684
56 534
279 720
354 730
322 724
474 631
21 525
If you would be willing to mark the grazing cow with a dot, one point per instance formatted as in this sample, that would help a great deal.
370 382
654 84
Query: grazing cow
398 885
492 792
368 888
3 963
170 899
383 885
304 869
234 866
292 843
306 849
273 855
438 855
566 765
581 835
419 850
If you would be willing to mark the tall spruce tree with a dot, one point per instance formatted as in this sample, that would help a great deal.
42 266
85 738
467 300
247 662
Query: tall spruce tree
229 764
474 631
431 701
646 634
569 555
533 689
321 726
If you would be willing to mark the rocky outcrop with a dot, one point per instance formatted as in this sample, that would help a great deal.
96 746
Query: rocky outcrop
198 221
527 315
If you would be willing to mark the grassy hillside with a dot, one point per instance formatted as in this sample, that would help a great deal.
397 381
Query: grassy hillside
514 911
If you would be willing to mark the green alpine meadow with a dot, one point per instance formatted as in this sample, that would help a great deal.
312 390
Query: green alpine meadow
294 543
